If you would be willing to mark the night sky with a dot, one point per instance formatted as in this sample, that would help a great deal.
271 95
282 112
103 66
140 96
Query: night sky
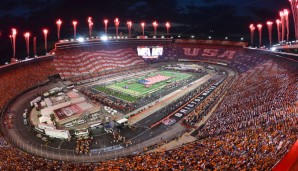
218 18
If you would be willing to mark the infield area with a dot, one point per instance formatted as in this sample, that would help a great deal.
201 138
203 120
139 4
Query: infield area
134 88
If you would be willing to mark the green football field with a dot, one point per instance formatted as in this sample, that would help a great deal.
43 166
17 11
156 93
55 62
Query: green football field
131 89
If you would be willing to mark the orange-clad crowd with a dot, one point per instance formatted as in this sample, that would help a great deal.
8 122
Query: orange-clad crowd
252 128
14 80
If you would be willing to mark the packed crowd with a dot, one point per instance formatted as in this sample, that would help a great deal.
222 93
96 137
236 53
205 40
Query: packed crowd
201 110
107 73
86 60
13 159
237 57
258 96
17 79
256 146
253 127
249 149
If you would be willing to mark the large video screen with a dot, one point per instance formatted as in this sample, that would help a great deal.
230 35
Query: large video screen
150 51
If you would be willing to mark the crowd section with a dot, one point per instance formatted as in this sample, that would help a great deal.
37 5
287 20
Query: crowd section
202 109
259 96
17 79
249 149
252 128
14 159
237 57
88 61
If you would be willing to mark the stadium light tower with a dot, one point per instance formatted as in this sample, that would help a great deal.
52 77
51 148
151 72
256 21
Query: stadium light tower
117 22
14 33
278 29
75 29
260 34
269 24
27 36
58 22
155 24
143 28
168 27
90 24
106 25
45 33
129 24
252 31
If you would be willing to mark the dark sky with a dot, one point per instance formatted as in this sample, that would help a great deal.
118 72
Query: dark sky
218 18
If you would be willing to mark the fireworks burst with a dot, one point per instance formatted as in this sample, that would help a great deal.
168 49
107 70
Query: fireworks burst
260 34
27 35
58 22
252 31
294 8
269 24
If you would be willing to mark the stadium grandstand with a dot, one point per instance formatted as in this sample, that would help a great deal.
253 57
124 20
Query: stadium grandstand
146 100
253 126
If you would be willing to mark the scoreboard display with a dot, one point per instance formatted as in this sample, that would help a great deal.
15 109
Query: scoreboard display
150 51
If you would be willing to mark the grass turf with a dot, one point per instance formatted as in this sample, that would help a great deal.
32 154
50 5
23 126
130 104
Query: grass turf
136 90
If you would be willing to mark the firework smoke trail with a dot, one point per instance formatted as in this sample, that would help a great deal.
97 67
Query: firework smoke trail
27 35
129 24
278 29
286 16
269 24
252 31
117 22
58 22
75 29
90 24
260 34
282 20
294 8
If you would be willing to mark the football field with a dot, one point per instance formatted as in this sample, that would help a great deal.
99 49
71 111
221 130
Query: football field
131 89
